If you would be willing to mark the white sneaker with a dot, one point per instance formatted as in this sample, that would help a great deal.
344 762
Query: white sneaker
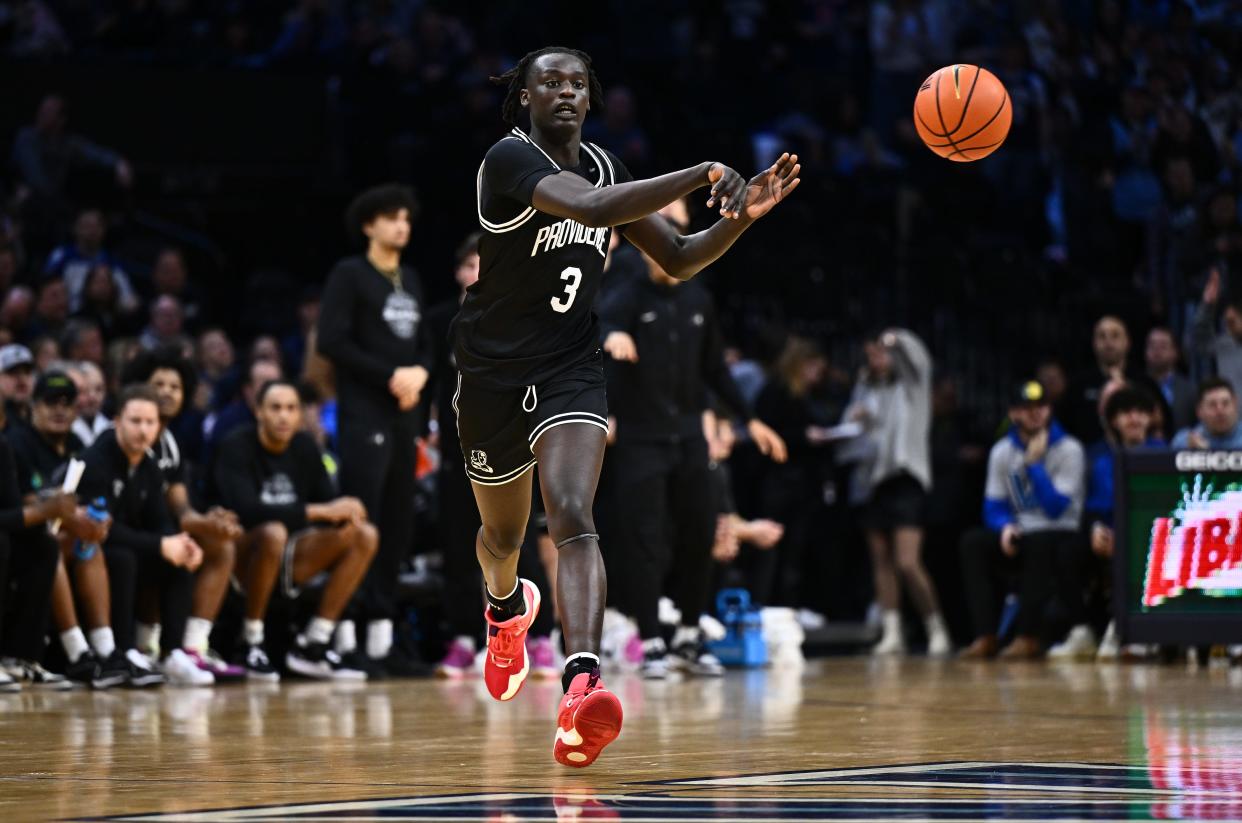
938 642
655 665
32 674
1110 646
1078 645
181 670
811 620
7 683
890 644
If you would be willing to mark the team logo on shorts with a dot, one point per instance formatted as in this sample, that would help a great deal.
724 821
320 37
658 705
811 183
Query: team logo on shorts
478 461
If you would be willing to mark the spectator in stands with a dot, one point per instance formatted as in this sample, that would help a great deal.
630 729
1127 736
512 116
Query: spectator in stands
215 366
1161 355
8 269
82 341
92 391
1050 374
171 276
51 310
1031 510
295 347
17 311
216 530
74 262
1080 408
44 153
892 402
273 476
1217 411
1224 348
1127 412
102 303
45 351
240 411
167 322
16 382
145 555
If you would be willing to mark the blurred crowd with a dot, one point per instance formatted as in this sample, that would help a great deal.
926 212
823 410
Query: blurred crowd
1107 230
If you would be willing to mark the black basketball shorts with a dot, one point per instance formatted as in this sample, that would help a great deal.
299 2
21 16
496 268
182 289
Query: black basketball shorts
499 428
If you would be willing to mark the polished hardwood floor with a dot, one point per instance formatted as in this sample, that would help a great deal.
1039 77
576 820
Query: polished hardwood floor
842 739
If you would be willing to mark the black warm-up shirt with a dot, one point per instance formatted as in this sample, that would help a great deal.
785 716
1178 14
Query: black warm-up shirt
134 495
368 328
39 465
680 355
530 316
262 486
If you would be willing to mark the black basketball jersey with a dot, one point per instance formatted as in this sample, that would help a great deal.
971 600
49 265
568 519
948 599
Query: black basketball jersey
530 316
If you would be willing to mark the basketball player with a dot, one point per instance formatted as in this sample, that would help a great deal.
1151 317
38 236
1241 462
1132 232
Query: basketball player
531 383
216 531
371 327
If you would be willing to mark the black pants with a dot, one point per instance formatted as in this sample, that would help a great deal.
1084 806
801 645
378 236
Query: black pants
27 568
128 572
666 527
377 467
1049 568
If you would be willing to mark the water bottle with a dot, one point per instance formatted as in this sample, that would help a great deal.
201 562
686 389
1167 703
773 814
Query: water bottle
97 511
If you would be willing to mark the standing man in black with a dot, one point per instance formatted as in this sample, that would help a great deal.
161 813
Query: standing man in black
666 352
372 329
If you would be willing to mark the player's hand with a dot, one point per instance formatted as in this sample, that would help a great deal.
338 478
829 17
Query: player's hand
406 384
767 188
1010 535
1102 540
181 550
224 523
769 442
761 533
728 190
726 546
620 346
57 506
349 508
85 528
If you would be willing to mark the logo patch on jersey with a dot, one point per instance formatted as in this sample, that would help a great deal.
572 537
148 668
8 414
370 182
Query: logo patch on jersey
566 232
697 319
478 461
401 314
118 487
278 490
647 317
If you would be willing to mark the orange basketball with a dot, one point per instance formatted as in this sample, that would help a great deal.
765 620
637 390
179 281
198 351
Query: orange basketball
962 112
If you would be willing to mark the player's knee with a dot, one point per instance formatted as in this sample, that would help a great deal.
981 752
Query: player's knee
221 552
570 515
271 539
908 563
502 541
365 539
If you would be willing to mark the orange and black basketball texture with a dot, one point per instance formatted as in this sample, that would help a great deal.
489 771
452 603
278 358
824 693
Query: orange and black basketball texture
962 112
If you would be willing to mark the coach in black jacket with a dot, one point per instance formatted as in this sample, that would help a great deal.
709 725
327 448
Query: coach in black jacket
666 352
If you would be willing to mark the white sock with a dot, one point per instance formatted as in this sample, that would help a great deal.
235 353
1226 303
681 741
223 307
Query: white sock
465 640
379 639
74 643
934 624
147 638
103 642
684 635
197 634
346 637
253 632
319 630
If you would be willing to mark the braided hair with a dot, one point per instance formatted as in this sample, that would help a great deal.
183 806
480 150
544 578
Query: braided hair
515 79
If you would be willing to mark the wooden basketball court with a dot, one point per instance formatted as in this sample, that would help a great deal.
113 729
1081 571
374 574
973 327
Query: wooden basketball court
844 739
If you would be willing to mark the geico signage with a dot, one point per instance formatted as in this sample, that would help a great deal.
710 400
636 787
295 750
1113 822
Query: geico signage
1209 461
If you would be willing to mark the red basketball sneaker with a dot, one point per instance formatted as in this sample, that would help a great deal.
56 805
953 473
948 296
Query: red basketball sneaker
507 665
589 719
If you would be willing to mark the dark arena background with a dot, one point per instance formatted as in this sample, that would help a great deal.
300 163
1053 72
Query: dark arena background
999 574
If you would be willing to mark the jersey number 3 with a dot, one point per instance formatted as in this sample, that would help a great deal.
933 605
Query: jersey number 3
573 278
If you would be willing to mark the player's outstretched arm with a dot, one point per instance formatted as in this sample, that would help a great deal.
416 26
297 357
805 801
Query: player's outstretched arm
684 256
568 195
